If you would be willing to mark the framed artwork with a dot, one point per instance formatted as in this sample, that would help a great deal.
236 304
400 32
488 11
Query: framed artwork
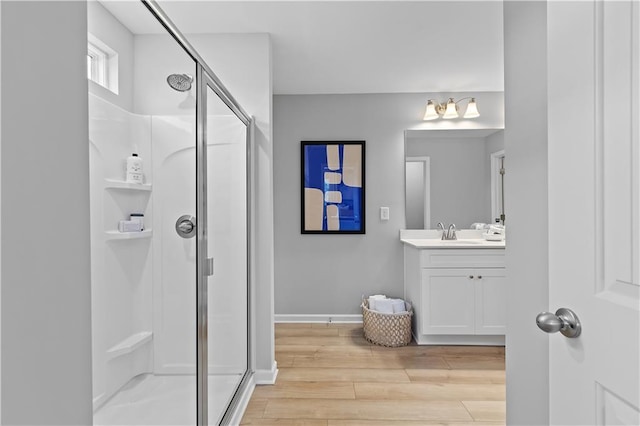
332 187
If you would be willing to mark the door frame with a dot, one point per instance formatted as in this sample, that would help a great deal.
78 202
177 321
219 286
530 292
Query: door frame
426 182
497 185
204 82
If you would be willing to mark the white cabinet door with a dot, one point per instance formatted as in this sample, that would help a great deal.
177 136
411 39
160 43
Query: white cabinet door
448 301
594 210
491 301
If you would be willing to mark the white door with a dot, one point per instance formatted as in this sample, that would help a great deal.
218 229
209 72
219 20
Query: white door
594 194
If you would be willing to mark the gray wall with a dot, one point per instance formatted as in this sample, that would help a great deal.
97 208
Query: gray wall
494 143
459 192
525 37
327 274
46 318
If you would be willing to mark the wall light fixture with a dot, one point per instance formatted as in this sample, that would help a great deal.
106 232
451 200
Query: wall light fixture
449 110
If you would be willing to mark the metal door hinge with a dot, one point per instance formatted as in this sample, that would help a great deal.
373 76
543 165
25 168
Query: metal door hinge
209 267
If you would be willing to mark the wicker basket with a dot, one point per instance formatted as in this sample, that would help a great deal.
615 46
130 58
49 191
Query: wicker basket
390 330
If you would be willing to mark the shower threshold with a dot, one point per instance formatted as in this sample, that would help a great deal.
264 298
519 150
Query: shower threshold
165 400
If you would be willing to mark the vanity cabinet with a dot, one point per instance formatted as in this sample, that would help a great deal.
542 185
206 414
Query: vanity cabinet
458 295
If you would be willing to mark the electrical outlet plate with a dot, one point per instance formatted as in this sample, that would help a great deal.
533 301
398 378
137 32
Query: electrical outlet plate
384 213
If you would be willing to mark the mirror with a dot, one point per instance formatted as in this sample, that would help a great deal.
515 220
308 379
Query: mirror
454 176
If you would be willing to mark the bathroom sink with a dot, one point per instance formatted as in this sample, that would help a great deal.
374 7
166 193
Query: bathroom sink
460 242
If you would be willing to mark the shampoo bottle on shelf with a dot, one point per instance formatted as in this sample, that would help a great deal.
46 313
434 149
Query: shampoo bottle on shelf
134 168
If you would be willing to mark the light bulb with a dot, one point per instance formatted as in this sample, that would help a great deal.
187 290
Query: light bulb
472 109
452 110
430 113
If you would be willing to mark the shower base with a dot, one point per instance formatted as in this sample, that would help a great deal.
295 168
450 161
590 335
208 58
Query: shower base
165 400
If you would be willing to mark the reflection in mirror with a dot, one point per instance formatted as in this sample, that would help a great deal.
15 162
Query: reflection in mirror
417 172
453 176
497 171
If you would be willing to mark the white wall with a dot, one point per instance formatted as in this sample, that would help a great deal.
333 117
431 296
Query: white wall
121 271
459 192
103 25
46 318
0 221
327 274
526 210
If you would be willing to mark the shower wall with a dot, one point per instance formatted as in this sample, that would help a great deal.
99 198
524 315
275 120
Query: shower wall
121 269
144 289
174 258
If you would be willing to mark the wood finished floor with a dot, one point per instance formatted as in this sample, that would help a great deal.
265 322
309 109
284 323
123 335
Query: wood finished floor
331 376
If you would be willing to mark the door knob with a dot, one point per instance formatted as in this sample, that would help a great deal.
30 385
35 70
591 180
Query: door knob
564 320
186 226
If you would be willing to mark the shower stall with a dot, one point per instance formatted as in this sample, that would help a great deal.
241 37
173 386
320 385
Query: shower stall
170 298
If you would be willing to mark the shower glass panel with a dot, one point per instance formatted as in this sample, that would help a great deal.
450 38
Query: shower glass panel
226 234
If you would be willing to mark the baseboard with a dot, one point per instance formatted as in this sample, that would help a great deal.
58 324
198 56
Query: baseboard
460 339
319 318
266 377
243 401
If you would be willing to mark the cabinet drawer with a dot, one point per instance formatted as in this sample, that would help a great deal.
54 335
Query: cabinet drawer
462 258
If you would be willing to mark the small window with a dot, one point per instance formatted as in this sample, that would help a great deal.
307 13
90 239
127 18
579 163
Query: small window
102 64
97 64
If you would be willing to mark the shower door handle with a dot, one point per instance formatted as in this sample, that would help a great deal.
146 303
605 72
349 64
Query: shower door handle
186 226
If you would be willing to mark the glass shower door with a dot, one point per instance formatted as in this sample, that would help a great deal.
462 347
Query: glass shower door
225 239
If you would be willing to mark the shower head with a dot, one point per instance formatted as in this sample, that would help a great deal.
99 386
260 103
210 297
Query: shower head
180 82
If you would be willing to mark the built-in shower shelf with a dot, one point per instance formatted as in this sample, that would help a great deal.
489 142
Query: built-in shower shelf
117 235
130 344
120 184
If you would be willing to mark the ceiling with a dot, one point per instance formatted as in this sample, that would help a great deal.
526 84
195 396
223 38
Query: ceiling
322 47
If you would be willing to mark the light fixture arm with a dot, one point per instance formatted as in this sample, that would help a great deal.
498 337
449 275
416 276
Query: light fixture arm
437 109
459 100
443 105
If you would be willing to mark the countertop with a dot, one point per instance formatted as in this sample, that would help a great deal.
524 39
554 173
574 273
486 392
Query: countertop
426 243
429 238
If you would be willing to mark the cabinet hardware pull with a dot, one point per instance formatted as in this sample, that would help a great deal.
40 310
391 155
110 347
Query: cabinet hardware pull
479 277
470 277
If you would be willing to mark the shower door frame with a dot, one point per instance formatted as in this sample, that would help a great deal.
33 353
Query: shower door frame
205 77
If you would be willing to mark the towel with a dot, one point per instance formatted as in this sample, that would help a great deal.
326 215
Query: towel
384 306
372 300
398 306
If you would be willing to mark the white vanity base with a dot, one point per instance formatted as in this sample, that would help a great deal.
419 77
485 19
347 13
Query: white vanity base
458 289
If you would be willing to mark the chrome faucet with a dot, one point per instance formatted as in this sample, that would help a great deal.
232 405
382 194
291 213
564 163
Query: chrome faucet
447 234
451 232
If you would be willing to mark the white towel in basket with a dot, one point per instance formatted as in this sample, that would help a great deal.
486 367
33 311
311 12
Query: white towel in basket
384 306
372 300
398 306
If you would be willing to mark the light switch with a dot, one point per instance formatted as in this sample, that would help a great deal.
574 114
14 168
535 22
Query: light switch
384 213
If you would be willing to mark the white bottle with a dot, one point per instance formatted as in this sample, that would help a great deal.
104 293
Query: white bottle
134 169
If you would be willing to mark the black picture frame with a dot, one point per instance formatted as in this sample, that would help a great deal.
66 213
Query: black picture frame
332 187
